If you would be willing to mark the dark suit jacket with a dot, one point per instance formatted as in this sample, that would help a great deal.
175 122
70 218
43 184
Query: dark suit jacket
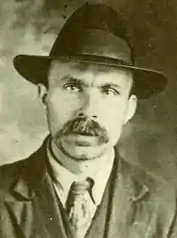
141 206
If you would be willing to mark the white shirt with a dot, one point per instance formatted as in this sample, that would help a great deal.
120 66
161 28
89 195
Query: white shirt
63 178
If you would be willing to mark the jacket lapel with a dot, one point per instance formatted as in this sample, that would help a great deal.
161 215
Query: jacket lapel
37 200
46 203
126 196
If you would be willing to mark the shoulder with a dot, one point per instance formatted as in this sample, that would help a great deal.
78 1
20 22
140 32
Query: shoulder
23 170
153 189
141 177
153 196
9 174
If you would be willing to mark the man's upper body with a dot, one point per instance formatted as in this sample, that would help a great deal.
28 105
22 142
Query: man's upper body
134 204
77 186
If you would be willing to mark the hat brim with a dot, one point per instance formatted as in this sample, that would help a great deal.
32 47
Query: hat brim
35 68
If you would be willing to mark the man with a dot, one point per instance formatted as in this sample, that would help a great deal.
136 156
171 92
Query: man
76 185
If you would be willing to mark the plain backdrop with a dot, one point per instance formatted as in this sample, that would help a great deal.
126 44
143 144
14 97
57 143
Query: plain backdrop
30 26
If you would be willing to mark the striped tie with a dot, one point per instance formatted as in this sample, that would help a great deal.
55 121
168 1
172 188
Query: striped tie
80 207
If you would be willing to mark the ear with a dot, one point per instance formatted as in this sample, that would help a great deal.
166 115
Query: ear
42 93
131 108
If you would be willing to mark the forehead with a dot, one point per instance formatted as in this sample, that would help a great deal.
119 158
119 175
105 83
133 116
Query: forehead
84 71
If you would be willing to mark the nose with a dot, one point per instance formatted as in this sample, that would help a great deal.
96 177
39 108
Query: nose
89 106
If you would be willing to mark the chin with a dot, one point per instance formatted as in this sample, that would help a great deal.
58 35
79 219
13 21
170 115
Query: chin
82 153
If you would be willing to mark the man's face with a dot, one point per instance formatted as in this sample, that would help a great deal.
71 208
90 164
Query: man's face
87 106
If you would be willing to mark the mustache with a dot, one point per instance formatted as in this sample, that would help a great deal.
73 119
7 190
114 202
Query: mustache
85 126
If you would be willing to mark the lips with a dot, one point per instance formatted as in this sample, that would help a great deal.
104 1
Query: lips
83 134
82 139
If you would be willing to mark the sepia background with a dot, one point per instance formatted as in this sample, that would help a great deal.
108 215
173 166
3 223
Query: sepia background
30 26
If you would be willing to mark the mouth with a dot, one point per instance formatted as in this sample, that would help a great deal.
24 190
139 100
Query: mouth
83 134
82 139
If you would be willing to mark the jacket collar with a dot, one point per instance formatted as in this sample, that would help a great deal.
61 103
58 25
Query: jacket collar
34 170
32 174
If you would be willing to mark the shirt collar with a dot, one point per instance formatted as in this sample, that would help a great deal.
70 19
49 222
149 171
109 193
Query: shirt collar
63 178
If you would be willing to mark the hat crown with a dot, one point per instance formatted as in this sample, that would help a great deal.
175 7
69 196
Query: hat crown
93 29
96 16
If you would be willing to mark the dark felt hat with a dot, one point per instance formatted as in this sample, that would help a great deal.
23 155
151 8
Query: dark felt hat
94 33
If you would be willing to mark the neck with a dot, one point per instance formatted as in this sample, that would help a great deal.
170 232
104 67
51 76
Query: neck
80 167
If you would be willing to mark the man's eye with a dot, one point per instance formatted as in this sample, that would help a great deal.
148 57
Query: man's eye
74 88
110 91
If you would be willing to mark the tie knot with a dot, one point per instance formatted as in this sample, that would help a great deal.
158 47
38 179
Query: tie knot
81 187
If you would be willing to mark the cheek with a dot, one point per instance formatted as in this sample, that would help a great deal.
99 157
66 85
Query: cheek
114 123
113 113
113 116
61 108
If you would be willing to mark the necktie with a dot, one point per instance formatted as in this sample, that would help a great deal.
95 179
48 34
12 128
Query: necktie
80 206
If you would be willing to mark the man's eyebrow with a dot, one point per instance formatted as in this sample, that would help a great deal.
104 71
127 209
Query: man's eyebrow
68 78
114 85
71 79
